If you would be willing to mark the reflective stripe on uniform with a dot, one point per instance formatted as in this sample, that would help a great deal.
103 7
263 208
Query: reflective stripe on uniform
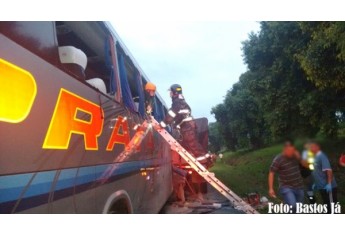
171 113
201 158
184 111
163 124
184 120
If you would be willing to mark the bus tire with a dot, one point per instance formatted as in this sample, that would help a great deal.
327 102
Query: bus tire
118 203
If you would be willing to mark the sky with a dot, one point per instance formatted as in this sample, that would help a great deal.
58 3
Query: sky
205 58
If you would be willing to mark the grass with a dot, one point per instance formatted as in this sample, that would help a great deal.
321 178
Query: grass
246 171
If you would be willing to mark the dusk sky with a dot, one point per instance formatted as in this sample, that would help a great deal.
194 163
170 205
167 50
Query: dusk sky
205 58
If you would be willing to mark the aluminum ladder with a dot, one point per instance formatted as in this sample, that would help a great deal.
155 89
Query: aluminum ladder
237 202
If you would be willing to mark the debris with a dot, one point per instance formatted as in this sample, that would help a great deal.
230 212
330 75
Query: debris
264 200
253 199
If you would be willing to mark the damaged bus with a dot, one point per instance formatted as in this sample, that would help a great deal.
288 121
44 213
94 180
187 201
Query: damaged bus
70 96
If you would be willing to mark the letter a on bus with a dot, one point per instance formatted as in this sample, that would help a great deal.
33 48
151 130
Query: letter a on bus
120 133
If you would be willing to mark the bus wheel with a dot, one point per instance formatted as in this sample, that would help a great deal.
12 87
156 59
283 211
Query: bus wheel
119 207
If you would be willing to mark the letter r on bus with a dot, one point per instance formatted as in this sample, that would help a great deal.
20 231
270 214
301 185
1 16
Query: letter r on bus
66 121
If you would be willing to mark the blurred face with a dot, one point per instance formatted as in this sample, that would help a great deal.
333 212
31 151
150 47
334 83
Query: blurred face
151 92
171 94
289 151
307 146
314 148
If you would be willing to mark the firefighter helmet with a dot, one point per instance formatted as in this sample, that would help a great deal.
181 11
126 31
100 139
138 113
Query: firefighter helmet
176 89
150 86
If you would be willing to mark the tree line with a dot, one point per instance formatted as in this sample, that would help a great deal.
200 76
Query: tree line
294 86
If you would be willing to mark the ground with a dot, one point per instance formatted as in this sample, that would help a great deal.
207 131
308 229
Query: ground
246 171
213 203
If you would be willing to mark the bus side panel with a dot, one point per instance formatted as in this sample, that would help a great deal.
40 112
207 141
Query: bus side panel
159 182
68 180
24 141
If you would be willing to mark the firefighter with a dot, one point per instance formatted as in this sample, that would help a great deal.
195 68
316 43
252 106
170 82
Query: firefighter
150 92
180 116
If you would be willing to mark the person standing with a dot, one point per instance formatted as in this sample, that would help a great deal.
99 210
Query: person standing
308 157
287 166
324 180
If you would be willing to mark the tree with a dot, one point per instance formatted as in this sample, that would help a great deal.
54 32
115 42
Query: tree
215 138
294 86
221 113
239 117
323 58
282 83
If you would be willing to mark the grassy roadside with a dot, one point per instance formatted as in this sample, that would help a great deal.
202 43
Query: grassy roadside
246 171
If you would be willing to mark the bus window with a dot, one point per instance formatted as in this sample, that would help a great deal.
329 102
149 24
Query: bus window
131 84
84 38
141 95
159 110
39 37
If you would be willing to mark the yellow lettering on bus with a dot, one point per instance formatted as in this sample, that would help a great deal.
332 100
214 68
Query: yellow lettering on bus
120 134
65 122
17 92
